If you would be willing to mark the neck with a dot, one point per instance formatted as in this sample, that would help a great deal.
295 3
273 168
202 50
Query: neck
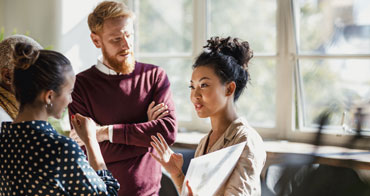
31 112
221 121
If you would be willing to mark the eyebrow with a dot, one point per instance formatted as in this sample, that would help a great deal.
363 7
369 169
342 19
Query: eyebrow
203 78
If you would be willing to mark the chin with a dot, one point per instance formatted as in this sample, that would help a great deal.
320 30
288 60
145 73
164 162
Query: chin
58 116
202 115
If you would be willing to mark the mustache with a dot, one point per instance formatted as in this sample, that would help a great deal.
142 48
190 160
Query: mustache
124 52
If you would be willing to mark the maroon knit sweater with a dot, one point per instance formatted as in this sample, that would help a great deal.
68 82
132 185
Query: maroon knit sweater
122 101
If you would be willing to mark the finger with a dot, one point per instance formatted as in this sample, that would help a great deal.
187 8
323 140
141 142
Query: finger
151 105
165 113
156 158
155 146
158 112
163 141
71 132
75 136
157 107
177 156
158 143
189 188
80 143
74 122
150 110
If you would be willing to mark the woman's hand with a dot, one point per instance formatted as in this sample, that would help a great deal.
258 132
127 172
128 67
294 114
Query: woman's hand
171 161
85 128
190 191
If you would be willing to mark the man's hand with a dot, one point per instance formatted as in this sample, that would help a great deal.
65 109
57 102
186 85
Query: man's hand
157 112
85 128
74 136
101 134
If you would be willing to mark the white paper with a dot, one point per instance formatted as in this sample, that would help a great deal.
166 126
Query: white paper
207 173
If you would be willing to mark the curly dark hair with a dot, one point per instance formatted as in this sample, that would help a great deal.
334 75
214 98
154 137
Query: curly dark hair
229 57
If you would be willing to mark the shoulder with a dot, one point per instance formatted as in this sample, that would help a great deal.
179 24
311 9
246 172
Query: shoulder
243 131
150 68
86 72
85 79
62 145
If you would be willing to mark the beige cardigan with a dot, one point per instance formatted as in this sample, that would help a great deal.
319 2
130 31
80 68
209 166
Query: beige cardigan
245 178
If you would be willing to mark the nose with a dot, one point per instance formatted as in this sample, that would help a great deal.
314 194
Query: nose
195 94
126 44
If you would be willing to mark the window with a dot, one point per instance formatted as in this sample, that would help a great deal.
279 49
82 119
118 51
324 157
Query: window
308 54
172 33
333 57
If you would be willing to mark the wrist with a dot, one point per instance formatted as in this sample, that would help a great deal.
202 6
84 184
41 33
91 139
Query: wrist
103 133
91 141
177 174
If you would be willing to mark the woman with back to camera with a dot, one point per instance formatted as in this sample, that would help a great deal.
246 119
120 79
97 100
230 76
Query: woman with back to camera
219 76
34 158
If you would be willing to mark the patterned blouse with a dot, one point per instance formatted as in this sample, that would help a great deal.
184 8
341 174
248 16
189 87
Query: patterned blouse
36 160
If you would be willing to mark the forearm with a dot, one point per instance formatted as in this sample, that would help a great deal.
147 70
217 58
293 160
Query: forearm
139 134
95 156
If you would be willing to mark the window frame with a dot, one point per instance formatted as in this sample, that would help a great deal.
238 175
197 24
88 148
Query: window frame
289 115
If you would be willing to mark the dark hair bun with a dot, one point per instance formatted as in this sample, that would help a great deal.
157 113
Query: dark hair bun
239 50
24 55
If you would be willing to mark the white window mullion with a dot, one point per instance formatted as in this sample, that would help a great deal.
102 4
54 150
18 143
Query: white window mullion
199 40
200 26
284 72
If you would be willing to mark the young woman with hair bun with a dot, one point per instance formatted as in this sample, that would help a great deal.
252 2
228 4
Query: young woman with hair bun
34 158
220 74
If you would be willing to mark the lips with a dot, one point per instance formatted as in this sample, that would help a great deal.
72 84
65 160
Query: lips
124 54
198 106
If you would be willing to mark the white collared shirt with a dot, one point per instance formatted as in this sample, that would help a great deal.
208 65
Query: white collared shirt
105 69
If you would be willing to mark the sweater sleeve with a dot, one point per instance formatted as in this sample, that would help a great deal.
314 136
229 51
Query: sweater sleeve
78 104
138 134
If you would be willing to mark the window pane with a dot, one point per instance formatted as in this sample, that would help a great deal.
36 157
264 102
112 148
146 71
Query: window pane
164 26
257 103
179 73
333 26
334 82
243 19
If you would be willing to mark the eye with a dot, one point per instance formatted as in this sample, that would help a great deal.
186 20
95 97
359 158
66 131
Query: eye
204 85
117 39
191 87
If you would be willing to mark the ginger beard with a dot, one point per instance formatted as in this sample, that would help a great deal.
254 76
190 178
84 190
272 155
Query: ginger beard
126 66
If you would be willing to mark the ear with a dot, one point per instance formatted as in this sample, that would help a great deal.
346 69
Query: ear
47 96
6 76
96 40
230 88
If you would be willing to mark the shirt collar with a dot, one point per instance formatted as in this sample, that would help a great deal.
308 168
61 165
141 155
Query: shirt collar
103 68
233 128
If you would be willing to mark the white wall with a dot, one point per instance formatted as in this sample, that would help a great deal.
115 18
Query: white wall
35 18
61 24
